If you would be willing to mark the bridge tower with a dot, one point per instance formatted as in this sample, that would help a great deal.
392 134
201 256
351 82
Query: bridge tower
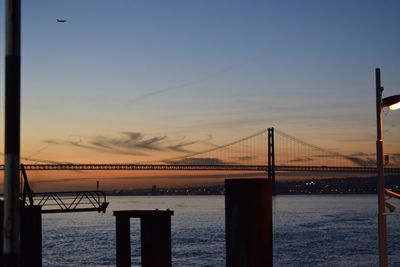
271 159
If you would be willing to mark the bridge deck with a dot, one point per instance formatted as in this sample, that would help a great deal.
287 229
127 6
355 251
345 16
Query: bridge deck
181 167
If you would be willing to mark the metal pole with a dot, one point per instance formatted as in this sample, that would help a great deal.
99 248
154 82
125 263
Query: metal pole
11 226
383 261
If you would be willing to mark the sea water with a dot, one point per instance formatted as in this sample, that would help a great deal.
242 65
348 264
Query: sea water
309 230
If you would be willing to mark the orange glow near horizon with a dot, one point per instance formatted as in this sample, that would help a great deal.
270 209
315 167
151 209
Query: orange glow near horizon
110 180
42 181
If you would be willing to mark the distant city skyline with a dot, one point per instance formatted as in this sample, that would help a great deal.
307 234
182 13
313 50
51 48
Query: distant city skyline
134 81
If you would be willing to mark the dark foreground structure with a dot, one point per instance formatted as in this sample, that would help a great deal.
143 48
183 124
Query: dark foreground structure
155 232
248 219
31 236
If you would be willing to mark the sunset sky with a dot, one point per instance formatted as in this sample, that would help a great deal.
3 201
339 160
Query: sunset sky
128 81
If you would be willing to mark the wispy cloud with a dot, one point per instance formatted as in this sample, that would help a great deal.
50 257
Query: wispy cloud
361 161
33 156
188 84
245 158
301 160
180 147
130 143
198 161
49 141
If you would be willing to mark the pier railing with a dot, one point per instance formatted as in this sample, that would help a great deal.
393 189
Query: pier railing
61 202
76 201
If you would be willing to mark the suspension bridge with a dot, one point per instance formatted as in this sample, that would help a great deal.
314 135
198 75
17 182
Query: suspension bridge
268 150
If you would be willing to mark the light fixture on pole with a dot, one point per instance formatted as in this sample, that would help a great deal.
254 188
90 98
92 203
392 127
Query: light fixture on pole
393 102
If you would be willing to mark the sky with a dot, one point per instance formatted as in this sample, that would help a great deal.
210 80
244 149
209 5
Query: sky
135 81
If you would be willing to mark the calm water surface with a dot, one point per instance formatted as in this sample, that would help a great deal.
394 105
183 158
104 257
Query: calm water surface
317 230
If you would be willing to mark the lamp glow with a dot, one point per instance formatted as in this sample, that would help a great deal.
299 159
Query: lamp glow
395 106
393 102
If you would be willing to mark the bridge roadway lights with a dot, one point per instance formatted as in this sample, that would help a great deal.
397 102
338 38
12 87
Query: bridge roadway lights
155 228
165 167
248 219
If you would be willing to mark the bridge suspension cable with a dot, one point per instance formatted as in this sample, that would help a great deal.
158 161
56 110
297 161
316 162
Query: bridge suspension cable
247 154
292 151
250 150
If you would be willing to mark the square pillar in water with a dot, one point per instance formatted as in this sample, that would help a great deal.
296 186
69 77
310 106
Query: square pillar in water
248 221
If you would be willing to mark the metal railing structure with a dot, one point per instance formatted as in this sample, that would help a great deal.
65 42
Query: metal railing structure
77 201
61 202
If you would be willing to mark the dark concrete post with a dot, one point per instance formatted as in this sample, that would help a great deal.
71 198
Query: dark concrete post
248 219
155 237
31 236
123 236
156 240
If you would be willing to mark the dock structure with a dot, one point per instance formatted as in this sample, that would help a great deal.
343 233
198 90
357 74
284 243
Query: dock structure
33 205
61 202
71 201
155 228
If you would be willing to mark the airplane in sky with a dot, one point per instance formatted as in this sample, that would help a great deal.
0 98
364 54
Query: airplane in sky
61 20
